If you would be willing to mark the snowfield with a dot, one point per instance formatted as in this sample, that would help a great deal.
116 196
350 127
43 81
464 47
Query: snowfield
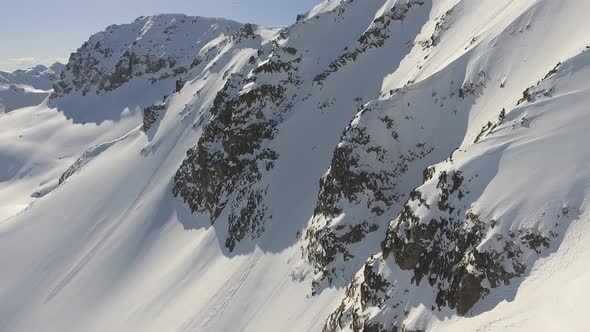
378 165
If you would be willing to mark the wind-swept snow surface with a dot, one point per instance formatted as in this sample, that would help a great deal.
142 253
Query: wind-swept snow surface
379 165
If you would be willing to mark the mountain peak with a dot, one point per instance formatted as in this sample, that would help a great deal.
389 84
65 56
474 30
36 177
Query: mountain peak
153 47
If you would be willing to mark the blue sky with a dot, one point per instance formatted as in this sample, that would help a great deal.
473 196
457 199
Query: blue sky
42 31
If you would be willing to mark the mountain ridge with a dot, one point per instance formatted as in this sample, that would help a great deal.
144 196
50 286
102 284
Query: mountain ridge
377 165
27 87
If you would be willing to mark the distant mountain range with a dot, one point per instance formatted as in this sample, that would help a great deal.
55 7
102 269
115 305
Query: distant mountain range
28 87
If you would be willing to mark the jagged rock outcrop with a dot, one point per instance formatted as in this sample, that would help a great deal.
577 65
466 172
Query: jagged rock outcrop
112 58
222 171
151 115
374 37
224 174
438 242
443 23
373 168
538 90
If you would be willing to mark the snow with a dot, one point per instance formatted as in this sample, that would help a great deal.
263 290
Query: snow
23 88
111 249
38 77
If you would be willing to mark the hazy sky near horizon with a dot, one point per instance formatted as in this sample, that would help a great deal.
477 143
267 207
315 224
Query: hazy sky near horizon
42 31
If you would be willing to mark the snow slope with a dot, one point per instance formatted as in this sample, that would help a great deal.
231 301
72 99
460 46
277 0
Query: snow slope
378 165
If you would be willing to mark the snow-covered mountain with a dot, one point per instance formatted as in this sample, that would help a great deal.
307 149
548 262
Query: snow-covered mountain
378 165
39 77
27 87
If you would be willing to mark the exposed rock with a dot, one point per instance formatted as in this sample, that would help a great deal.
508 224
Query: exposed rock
534 92
105 63
440 245
368 176
248 30
221 173
151 114
489 127
179 85
374 37
443 23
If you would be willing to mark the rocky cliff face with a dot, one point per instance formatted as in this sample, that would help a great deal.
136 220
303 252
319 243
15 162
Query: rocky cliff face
154 48
224 175
231 156
381 153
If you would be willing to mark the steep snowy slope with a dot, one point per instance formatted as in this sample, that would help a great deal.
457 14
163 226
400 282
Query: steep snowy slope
22 88
379 165
472 227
